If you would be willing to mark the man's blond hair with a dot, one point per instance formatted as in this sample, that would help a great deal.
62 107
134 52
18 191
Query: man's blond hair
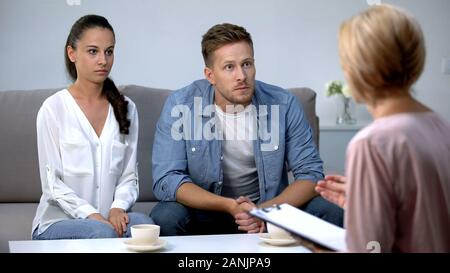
220 35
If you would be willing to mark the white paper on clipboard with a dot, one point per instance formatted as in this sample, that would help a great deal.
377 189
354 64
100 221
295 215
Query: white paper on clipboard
304 225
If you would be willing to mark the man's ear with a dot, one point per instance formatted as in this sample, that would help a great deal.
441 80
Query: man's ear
71 54
209 75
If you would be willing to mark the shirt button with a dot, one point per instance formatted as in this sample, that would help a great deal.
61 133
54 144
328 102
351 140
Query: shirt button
221 158
220 183
275 148
193 149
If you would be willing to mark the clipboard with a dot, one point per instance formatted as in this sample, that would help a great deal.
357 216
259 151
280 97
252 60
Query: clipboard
303 225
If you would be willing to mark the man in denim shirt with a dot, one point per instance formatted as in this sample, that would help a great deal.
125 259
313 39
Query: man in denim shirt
225 144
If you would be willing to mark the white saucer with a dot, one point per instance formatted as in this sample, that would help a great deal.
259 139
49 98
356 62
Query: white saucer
134 245
265 237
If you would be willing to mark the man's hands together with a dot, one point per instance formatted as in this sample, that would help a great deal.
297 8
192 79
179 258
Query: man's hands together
243 219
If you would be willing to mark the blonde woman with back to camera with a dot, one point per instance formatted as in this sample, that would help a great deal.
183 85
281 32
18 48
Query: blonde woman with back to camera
396 191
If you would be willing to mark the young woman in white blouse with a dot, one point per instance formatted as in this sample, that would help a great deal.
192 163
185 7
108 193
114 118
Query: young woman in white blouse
87 139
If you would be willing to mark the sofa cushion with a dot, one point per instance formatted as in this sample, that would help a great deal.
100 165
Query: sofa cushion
18 156
307 98
16 222
149 108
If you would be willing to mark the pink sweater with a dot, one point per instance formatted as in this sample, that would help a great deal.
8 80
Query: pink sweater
398 171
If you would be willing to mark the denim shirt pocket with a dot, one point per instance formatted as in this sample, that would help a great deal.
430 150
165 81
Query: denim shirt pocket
197 160
273 165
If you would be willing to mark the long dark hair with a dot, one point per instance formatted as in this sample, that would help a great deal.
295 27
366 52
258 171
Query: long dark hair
115 98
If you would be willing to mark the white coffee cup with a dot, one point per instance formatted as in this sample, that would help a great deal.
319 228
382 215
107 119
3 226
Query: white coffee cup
278 233
145 233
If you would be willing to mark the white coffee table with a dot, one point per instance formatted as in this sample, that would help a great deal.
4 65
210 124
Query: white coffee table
231 243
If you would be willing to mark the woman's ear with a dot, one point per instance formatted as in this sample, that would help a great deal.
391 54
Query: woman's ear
71 54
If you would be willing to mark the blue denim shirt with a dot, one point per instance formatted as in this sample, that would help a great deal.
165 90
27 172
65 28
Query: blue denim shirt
197 159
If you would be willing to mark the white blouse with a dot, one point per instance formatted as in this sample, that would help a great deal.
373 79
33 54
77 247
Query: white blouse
82 173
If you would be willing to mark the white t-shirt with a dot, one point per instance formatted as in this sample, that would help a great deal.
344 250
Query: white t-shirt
240 176
80 172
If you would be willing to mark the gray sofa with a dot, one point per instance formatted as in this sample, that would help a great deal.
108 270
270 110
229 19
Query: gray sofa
20 188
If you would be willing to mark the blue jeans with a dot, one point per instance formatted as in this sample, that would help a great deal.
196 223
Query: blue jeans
177 219
88 229
325 210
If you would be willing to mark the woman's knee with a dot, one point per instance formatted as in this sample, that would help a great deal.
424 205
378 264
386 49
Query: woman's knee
76 229
99 230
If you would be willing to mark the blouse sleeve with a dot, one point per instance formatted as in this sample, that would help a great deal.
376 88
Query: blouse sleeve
50 168
127 189
370 209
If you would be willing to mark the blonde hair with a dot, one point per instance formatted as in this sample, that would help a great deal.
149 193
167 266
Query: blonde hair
382 50
220 35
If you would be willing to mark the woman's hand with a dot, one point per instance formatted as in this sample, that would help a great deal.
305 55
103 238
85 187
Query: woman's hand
98 217
333 189
119 220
